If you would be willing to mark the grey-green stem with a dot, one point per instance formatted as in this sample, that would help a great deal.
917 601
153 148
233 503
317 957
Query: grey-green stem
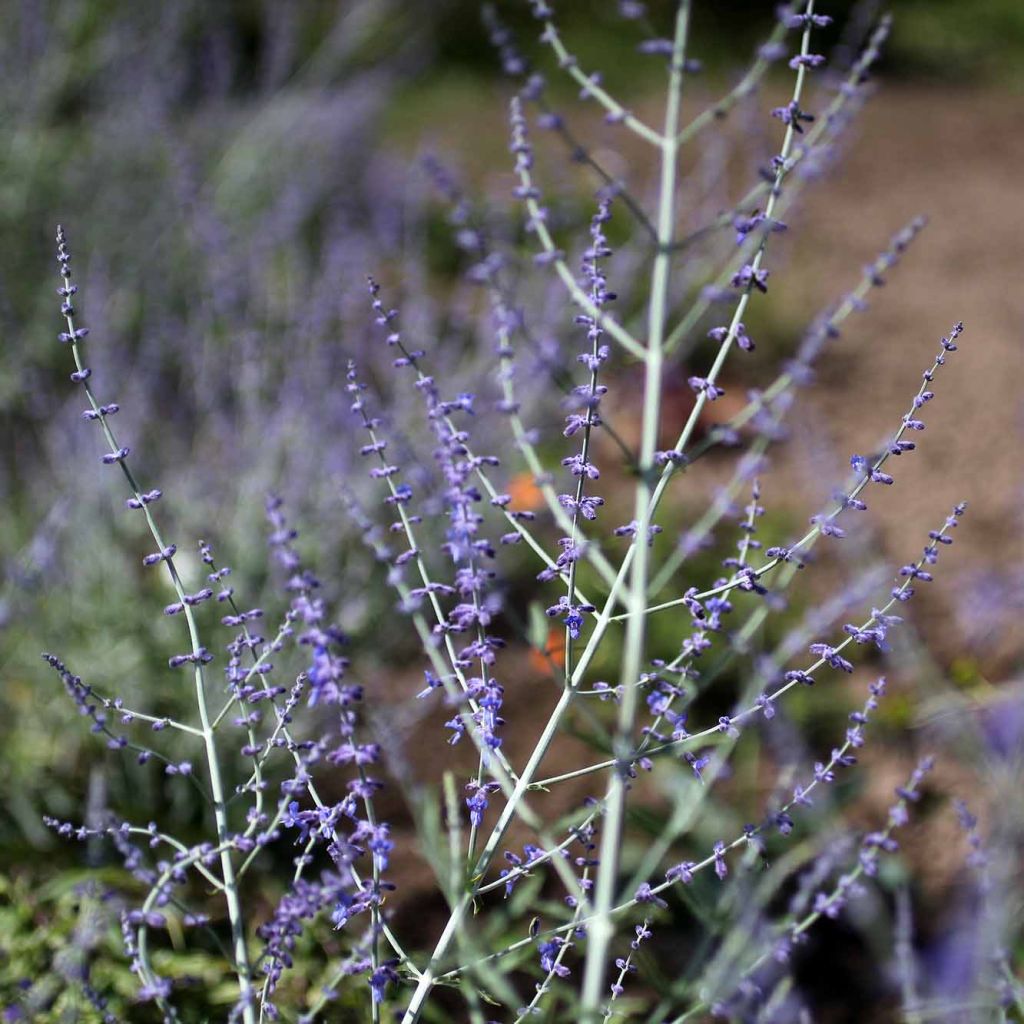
601 930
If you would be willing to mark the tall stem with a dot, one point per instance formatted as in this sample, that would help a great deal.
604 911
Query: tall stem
601 930
234 908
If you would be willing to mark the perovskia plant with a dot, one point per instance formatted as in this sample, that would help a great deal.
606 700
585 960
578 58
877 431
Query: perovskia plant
569 927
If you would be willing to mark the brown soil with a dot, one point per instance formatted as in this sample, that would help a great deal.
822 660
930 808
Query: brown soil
953 155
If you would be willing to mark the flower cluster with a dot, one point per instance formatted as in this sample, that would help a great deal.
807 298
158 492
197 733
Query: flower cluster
556 486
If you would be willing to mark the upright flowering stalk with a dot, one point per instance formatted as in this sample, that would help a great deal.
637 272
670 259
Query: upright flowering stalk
345 830
467 548
601 930
587 399
197 657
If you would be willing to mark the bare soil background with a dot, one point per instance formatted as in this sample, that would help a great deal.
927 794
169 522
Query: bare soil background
955 156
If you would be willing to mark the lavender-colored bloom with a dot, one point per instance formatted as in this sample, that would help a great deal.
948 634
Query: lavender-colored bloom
828 527
749 276
792 116
548 952
725 725
580 467
701 385
721 867
383 976
805 20
681 873
645 895
831 657
573 615
587 505
807 60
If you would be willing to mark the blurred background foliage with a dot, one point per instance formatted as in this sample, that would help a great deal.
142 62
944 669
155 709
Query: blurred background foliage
228 173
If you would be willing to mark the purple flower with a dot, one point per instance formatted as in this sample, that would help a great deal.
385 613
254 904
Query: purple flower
477 800
656 47
698 764
721 867
806 20
645 895
681 872
711 390
548 952
587 506
792 116
749 276
807 60
573 615
579 466
381 978
725 725
831 657
828 527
